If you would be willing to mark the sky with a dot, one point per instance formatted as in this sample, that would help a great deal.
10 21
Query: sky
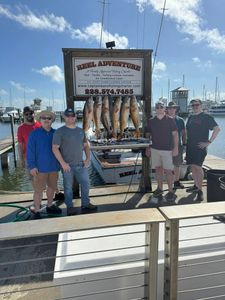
190 51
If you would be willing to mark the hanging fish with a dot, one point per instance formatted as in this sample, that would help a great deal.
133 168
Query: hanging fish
134 114
116 115
97 115
88 114
124 115
105 116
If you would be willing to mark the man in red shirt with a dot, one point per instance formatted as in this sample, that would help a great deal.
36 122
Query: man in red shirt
24 131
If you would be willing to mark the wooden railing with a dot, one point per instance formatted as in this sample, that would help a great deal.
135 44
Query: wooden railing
117 255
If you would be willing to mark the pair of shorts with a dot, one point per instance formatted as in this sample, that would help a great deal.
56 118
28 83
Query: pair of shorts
178 160
162 158
195 155
41 180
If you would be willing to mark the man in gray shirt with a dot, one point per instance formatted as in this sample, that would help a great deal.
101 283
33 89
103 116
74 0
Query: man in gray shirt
69 142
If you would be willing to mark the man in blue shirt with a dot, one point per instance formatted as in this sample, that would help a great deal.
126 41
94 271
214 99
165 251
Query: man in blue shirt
42 164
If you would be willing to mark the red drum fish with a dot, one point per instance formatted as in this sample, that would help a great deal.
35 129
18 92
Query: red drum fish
88 113
105 116
116 116
134 114
124 114
97 115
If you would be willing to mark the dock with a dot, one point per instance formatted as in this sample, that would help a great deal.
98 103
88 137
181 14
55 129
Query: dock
6 146
47 259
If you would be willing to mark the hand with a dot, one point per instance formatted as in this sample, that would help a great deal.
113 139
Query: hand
203 145
148 152
34 172
66 167
86 163
175 152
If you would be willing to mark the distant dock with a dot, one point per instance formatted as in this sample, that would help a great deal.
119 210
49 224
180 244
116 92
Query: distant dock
6 145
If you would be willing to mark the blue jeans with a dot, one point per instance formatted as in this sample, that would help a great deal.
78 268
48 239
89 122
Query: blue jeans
82 177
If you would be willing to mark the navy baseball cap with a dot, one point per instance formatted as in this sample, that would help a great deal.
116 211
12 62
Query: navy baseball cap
69 112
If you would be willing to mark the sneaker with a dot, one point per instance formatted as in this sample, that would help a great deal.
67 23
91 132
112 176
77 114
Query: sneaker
199 197
170 197
71 211
59 196
157 193
89 208
37 216
178 185
53 209
192 189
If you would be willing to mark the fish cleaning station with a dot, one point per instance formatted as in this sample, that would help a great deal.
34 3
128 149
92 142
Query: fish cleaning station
132 248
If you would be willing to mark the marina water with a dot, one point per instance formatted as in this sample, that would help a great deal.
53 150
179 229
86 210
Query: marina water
15 178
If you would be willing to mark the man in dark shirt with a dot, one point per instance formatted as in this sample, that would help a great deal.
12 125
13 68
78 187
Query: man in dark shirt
198 126
164 137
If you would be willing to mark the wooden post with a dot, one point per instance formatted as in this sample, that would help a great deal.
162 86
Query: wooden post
13 137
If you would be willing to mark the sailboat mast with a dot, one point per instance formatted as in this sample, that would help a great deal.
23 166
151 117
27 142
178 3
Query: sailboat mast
102 23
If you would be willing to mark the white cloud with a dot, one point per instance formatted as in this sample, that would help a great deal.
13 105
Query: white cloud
200 64
54 72
22 87
187 15
93 33
195 59
50 22
3 92
159 70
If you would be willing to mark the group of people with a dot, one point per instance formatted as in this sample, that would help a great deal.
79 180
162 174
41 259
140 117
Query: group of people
170 138
44 151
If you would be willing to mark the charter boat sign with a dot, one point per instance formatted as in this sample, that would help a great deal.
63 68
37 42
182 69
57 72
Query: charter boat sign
112 76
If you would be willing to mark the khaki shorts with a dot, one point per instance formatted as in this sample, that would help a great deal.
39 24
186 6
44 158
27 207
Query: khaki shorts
162 158
41 180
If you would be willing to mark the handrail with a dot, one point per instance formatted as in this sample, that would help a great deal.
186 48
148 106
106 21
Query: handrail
79 222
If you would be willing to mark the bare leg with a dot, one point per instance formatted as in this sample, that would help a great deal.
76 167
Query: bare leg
159 177
169 178
50 195
37 200
176 173
198 175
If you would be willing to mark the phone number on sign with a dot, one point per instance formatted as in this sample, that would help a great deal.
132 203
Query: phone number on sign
109 91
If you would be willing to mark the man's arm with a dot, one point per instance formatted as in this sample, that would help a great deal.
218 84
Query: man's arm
215 132
175 143
65 166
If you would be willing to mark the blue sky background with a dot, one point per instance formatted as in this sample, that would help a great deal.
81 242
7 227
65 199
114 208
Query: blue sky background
33 33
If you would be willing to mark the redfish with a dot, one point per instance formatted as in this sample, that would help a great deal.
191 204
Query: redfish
134 114
97 115
88 113
116 116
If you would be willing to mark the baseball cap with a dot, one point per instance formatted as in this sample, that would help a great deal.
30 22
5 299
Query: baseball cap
28 109
69 112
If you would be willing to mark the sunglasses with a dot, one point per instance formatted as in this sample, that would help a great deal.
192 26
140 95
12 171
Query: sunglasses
159 107
46 118
28 114
195 105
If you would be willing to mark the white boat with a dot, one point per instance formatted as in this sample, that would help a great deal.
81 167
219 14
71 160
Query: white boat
10 111
122 163
117 166
217 110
